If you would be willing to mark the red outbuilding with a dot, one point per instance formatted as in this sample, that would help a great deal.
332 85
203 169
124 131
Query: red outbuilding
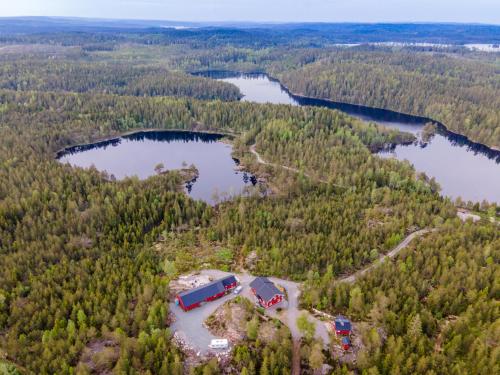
266 292
193 298
346 343
343 326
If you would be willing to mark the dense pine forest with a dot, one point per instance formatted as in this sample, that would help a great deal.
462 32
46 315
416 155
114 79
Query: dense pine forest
119 79
442 317
87 260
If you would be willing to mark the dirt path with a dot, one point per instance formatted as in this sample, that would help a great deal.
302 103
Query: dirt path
260 160
462 213
391 254
353 277
296 357
439 339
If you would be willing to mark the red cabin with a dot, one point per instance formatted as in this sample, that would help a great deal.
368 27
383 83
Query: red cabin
193 298
346 343
266 292
343 326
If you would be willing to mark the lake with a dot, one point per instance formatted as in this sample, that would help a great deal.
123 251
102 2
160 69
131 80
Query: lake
138 154
462 168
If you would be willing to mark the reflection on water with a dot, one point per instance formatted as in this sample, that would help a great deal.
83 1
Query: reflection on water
141 153
461 167
259 89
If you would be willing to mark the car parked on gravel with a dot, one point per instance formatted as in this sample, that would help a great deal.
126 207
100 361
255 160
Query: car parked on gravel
238 289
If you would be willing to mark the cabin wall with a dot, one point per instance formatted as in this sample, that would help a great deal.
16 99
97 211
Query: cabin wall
215 297
273 301
231 286
276 299
187 308
343 332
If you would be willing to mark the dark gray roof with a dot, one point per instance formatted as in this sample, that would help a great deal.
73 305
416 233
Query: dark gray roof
228 280
199 294
264 288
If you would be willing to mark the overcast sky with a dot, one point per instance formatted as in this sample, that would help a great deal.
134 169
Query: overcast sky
482 11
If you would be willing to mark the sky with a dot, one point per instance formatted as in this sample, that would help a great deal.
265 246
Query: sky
467 11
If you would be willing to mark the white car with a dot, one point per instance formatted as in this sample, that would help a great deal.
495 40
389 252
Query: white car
219 344
238 289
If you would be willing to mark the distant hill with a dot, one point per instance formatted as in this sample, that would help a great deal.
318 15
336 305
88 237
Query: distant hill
447 33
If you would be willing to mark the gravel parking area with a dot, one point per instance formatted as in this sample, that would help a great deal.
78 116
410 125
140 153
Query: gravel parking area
189 325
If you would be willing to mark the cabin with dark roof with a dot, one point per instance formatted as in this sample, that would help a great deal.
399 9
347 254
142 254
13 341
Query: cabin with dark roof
343 326
266 292
193 298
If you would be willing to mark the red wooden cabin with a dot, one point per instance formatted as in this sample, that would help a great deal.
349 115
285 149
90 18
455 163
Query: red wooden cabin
193 298
343 326
266 292
346 343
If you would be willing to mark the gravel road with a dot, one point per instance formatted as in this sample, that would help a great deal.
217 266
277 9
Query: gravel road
391 254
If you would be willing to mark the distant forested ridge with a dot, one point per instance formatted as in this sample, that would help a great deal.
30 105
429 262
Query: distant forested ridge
251 34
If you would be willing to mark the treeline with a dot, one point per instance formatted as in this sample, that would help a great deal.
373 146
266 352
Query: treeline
455 87
73 118
432 311
461 93
123 79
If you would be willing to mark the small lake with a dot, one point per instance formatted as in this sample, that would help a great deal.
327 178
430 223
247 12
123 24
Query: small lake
138 154
462 168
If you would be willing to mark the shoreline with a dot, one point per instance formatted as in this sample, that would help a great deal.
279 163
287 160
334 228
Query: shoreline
188 175
492 151
108 139
419 118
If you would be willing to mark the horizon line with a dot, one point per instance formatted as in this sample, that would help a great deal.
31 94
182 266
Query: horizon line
291 22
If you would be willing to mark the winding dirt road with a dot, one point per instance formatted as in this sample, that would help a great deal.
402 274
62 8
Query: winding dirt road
391 254
260 160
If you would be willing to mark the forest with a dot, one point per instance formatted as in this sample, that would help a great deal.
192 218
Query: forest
443 316
448 84
87 259
121 79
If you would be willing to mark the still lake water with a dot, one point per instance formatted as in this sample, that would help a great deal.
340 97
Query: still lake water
462 168
138 154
